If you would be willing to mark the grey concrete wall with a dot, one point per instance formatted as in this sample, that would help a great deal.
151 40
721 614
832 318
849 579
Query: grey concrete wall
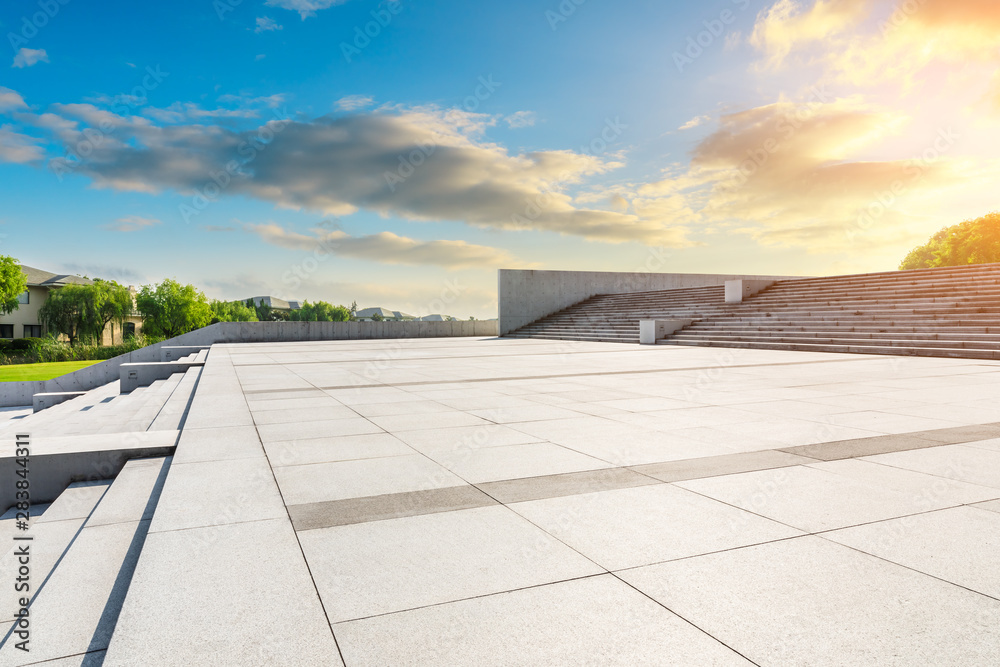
524 296
20 393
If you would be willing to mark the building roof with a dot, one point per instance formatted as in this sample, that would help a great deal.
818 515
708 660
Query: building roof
275 303
40 278
365 313
434 317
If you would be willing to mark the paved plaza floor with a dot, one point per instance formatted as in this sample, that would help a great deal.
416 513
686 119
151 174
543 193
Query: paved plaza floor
518 502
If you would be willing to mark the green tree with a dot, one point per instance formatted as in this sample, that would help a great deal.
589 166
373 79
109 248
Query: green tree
13 283
970 242
232 311
69 311
377 317
321 311
354 311
111 303
171 309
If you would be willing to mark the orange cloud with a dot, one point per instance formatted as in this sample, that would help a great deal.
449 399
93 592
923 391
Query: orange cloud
791 175
866 42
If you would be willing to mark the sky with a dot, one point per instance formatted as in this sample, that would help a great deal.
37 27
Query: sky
397 154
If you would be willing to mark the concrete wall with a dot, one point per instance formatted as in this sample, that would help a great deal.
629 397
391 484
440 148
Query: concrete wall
524 296
20 393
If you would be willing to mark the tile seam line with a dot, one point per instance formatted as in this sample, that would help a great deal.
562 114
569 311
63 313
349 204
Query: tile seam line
471 597
686 620
291 525
908 567
251 392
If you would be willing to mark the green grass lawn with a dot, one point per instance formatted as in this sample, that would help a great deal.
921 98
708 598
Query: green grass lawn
22 372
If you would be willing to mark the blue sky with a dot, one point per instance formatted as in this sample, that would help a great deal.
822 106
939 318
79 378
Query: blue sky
254 147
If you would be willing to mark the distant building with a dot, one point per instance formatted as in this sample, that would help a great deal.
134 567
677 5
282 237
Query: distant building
436 317
274 303
25 322
366 315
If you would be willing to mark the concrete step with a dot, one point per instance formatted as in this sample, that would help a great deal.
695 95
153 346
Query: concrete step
839 340
51 530
77 608
851 349
173 412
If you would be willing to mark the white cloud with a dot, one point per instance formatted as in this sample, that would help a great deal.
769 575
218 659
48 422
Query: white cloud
694 122
305 8
353 102
132 223
259 57
416 163
11 100
27 57
18 148
266 24
520 119
387 248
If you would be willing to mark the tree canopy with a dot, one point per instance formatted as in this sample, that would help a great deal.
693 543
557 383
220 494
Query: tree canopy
970 242
69 310
321 311
13 282
171 309
232 311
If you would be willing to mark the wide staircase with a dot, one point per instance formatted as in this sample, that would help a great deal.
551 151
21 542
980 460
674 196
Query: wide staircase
614 318
951 312
82 551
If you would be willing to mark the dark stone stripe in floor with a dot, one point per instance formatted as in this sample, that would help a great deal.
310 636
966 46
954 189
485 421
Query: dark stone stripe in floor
726 464
389 506
397 505
566 484
887 444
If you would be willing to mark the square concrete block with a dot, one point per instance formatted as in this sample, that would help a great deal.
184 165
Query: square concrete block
639 526
807 601
385 566
958 545
338 480
215 493
813 500
592 621
191 583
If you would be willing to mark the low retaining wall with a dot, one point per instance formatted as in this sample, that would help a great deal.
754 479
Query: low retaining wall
20 393
524 296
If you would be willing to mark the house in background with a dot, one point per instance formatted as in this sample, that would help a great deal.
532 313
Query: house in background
274 303
366 315
25 323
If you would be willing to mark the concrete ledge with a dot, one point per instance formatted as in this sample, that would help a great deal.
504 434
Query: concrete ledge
57 462
175 352
738 290
48 399
134 376
651 331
